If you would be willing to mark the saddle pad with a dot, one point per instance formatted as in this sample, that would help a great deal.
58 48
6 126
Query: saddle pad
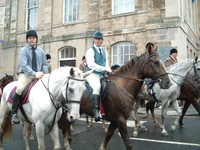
25 94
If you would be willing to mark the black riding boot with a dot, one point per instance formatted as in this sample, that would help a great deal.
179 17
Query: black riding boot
15 106
95 103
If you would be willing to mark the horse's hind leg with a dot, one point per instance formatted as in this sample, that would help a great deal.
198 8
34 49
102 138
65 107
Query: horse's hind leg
122 126
26 131
185 108
55 137
111 129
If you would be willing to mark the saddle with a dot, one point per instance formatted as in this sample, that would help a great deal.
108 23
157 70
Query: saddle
25 95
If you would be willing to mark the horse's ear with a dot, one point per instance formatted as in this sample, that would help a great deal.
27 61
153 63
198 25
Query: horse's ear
150 47
6 75
72 71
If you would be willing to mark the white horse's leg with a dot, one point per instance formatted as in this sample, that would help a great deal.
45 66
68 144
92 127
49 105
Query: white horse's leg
26 131
40 135
176 107
165 105
55 137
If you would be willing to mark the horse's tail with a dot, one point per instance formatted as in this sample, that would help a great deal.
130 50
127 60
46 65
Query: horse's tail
8 128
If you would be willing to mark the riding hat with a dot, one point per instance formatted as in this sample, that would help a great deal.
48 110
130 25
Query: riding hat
98 35
31 33
173 50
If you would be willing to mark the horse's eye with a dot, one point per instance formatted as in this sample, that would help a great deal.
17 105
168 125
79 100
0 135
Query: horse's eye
156 62
71 90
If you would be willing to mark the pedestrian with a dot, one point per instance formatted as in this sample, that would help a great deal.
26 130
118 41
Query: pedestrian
97 59
48 57
32 65
171 60
82 66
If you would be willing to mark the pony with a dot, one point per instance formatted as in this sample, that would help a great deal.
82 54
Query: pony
177 74
122 86
64 86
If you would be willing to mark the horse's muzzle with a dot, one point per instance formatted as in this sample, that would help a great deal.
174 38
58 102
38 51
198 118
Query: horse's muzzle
164 83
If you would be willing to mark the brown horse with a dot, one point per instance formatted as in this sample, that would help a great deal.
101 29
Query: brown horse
5 80
190 93
123 86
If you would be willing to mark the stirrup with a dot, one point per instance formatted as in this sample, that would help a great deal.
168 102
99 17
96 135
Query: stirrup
15 119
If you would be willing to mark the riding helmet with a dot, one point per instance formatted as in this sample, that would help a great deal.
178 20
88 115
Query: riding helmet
31 33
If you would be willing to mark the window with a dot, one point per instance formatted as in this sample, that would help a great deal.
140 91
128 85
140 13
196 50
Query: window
164 52
32 17
123 6
71 10
122 52
67 56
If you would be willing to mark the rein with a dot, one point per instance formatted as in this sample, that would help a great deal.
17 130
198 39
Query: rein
59 104
140 80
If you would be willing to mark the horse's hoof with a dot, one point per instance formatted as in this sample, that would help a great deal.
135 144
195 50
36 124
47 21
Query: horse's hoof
135 134
144 116
101 147
181 126
106 130
165 134
172 128
119 134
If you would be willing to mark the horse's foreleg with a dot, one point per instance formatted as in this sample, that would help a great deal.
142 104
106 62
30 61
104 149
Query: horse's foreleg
104 125
55 137
186 105
40 135
111 129
122 126
165 105
26 127
156 123
176 107
89 122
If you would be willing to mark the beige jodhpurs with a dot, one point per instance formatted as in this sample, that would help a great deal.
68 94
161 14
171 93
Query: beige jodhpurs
22 82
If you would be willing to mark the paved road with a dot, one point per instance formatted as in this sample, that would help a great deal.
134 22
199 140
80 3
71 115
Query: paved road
90 139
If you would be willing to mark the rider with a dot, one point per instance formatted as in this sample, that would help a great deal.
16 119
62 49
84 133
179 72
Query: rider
97 59
32 64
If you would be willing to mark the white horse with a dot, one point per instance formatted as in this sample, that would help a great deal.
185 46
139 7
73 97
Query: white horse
177 74
44 106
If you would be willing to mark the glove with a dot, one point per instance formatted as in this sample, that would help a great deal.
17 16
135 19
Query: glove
108 70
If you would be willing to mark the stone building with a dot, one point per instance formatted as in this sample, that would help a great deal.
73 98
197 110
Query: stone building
65 28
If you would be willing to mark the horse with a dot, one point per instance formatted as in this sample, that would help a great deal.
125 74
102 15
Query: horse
64 86
122 86
190 93
5 80
177 74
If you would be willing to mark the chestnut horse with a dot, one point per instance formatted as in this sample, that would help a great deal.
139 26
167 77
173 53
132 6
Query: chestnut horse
122 86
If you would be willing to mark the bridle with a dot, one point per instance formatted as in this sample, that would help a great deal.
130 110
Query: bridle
140 80
60 104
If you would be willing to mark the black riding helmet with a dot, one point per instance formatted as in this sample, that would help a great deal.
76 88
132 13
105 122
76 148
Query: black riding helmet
31 33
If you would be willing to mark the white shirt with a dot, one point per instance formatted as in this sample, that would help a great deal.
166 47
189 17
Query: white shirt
91 62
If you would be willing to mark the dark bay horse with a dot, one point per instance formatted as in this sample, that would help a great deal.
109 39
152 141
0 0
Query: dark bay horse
5 80
123 86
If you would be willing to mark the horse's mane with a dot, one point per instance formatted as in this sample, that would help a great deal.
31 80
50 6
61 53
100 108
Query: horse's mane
180 65
128 65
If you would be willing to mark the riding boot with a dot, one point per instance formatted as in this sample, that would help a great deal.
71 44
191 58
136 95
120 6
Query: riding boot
95 107
15 106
